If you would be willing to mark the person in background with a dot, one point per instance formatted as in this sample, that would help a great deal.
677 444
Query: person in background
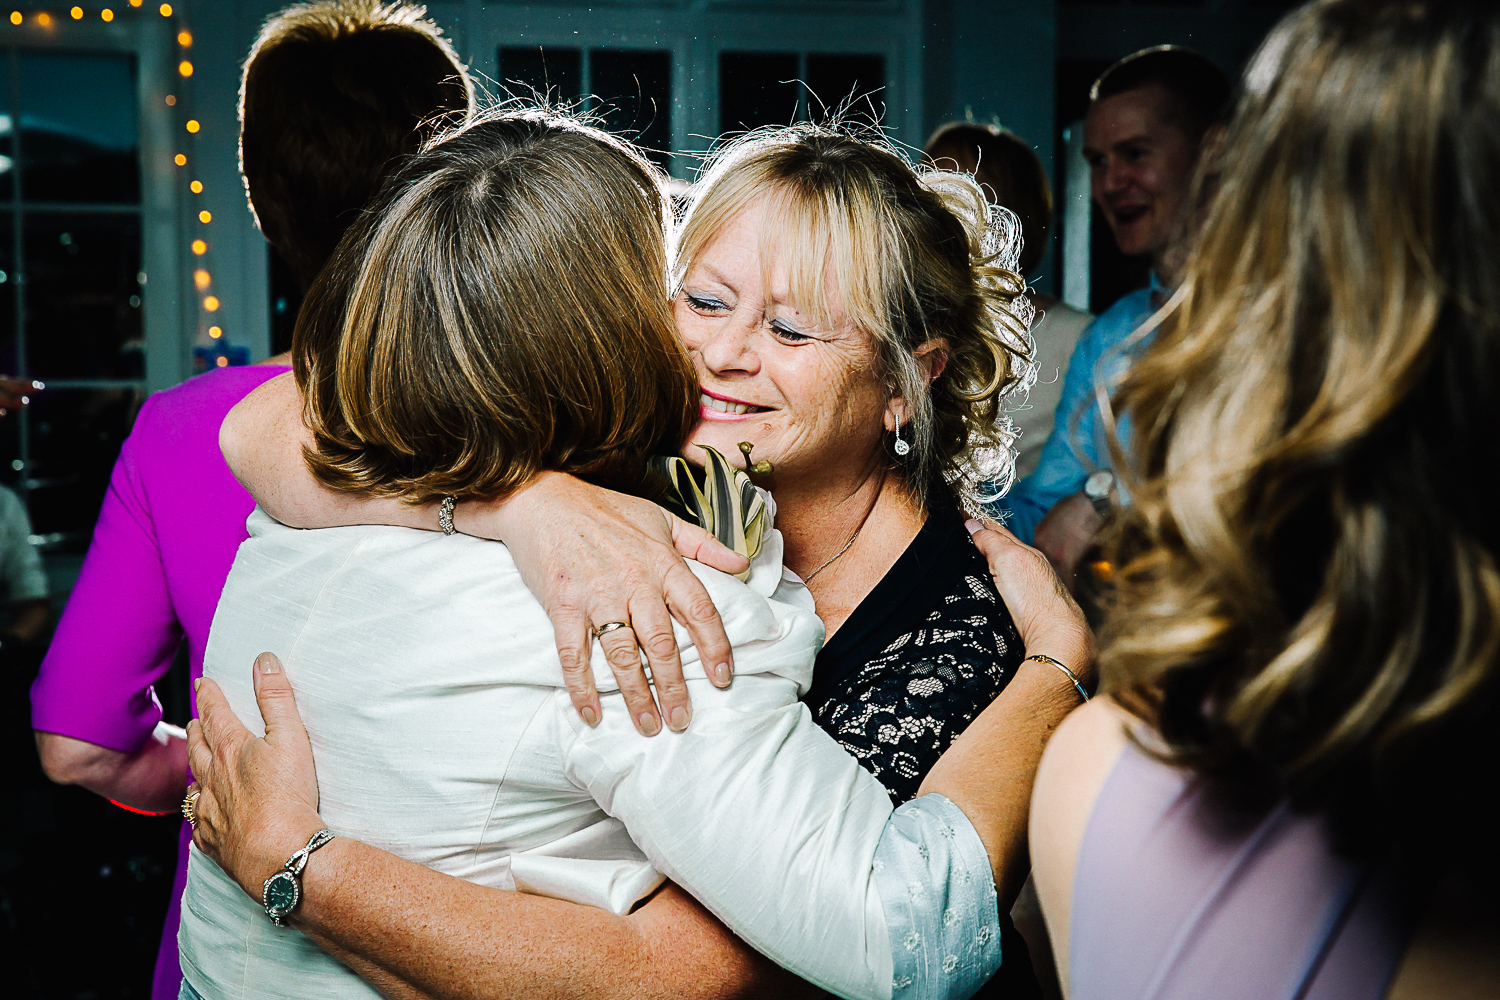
1283 793
28 612
332 93
1006 164
1151 117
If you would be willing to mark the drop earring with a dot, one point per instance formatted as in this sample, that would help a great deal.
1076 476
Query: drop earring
902 448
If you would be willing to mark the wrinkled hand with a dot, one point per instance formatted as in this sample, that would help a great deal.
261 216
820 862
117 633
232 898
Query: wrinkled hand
1049 620
258 798
1067 532
594 556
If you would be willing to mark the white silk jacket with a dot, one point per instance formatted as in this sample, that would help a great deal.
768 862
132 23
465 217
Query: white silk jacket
427 675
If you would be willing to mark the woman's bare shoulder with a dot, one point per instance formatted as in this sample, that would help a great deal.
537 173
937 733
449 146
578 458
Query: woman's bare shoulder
1079 759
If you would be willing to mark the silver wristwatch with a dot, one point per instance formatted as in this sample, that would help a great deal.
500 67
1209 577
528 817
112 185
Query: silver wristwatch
1099 487
282 892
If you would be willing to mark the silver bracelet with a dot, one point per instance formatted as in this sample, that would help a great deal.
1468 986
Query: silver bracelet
1078 684
445 515
281 893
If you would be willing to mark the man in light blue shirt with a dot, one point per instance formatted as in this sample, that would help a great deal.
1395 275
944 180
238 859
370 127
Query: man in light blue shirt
1150 117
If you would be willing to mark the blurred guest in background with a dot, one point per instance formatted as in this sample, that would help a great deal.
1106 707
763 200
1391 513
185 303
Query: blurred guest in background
1006 164
332 94
1150 119
1284 795
27 612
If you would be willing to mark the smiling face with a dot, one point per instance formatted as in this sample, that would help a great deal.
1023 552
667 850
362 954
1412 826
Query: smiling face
804 393
1141 167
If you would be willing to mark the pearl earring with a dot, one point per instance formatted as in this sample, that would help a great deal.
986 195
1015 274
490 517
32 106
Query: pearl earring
902 448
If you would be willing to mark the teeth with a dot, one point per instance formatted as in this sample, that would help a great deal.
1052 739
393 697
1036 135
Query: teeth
722 406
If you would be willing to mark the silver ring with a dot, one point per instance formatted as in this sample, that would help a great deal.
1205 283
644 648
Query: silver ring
599 630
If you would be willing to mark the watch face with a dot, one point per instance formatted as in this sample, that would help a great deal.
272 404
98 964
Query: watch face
1098 484
281 894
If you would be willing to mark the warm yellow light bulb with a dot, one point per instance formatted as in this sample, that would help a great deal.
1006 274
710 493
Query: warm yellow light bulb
44 19
196 187
135 3
223 362
204 217
15 17
184 38
166 10
171 100
180 160
77 13
211 303
185 68
216 332
201 279
200 247
192 125
107 14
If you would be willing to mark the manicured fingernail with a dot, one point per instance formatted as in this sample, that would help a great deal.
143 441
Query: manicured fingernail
722 675
197 683
972 526
649 725
680 719
267 664
589 715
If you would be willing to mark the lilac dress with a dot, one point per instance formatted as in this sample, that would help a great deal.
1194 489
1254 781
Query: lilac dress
167 534
1177 899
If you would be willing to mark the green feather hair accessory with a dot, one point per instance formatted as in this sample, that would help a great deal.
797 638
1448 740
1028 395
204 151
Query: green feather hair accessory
718 498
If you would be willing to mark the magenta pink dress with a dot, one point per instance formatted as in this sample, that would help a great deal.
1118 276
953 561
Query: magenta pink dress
167 534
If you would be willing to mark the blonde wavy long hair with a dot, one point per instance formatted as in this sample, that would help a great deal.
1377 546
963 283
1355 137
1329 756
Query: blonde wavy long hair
915 254
1309 603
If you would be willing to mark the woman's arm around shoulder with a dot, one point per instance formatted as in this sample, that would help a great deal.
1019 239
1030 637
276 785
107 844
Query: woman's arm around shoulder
601 556
1078 760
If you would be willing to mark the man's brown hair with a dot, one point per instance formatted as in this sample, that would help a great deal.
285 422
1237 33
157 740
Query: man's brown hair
501 309
332 94
1006 164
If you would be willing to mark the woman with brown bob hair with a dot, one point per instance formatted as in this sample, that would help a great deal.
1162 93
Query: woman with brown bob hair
868 400
1302 658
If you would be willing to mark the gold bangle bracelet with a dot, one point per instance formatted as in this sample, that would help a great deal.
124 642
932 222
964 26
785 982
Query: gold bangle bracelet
1077 684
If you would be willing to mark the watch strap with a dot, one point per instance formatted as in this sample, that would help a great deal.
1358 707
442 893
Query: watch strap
281 893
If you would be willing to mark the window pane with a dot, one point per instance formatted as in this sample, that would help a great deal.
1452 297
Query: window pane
10 364
75 438
83 302
834 79
553 71
78 128
757 88
635 91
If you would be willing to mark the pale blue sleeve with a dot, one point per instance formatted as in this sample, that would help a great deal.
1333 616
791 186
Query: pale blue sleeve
938 892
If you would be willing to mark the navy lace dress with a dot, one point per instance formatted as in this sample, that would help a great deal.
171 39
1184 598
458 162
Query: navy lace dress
921 656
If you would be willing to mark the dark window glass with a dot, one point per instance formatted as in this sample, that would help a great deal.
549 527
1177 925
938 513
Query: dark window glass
75 436
634 89
833 80
9 359
83 302
78 128
757 88
552 71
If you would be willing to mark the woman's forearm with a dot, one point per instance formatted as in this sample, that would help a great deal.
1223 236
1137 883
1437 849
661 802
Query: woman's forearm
402 925
989 770
152 779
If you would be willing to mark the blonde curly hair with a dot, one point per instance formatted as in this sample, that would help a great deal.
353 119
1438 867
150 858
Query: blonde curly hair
917 255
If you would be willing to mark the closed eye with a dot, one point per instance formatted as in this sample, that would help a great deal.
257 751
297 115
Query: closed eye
787 333
705 303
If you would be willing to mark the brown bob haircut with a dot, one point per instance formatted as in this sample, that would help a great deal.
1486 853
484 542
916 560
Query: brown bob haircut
332 94
1006 164
501 309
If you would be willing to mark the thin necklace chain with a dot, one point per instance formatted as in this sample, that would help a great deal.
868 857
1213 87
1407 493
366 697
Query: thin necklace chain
860 527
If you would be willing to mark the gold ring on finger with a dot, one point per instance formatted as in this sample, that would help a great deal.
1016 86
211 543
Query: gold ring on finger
190 808
599 630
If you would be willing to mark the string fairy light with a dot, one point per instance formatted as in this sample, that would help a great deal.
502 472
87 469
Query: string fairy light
202 277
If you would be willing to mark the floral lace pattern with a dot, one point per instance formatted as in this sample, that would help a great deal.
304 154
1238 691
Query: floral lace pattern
898 712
